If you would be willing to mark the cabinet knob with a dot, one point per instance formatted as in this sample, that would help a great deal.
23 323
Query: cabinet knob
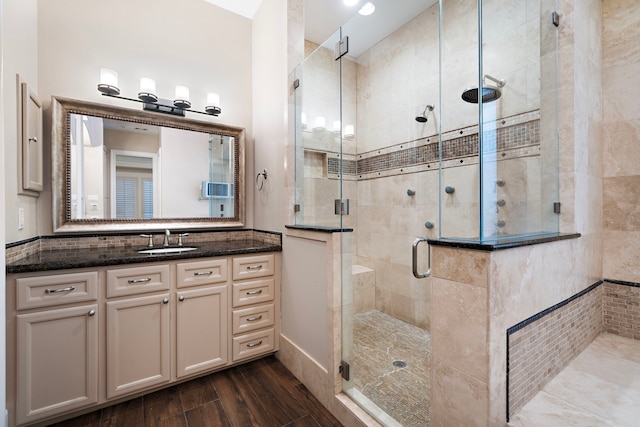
91 313
165 301
181 298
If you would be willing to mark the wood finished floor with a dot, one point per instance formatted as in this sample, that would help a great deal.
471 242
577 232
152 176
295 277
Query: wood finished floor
262 393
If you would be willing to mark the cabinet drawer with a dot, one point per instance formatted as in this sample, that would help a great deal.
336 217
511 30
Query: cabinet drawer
202 272
253 266
250 319
253 344
253 292
60 289
137 280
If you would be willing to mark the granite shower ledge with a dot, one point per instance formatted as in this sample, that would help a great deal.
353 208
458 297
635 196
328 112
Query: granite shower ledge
320 228
95 257
494 245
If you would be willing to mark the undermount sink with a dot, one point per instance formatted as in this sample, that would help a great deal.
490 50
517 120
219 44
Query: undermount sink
165 251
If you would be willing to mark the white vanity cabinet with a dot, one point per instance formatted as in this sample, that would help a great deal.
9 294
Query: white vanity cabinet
201 316
137 328
86 337
56 344
253 301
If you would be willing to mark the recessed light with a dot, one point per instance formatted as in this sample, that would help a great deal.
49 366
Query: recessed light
350 2
367 9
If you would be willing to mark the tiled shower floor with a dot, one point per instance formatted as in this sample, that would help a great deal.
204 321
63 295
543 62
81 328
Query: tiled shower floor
401 392
600 387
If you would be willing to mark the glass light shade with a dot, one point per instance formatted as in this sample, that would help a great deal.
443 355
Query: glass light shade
147 90
182 93
349 131
213 100
182 97
147 85
320 122
109 77
350 2
108 82
367 9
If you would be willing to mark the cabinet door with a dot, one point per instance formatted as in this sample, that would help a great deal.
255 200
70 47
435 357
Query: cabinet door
201 330
138 345
32 142
57 363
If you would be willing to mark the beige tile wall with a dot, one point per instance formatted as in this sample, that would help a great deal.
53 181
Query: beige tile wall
621 135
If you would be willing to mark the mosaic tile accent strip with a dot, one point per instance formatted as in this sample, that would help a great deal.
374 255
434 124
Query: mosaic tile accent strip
540 347
505 138
349 167
379 340
621 308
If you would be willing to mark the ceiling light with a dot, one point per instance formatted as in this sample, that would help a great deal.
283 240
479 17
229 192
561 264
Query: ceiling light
367 9
350 2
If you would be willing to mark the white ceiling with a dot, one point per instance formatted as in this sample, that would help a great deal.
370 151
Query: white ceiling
246 8
324 17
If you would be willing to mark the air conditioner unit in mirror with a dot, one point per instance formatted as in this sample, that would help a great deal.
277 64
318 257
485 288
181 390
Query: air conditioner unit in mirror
216 189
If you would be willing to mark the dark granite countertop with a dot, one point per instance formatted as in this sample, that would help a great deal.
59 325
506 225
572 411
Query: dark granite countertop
96 257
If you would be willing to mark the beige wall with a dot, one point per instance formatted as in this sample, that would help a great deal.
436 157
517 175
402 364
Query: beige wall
19 57
621 136
270 47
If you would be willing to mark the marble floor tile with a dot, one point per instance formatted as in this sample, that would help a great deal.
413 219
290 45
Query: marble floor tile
600 387
402 392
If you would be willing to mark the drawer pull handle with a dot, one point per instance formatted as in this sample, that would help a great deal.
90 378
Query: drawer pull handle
202 273
145 280
55 291
254 267
254 319
181 298
254 344
165 301
258 292
91 313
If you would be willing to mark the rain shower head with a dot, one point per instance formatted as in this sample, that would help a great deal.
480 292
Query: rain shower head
489 92
422 118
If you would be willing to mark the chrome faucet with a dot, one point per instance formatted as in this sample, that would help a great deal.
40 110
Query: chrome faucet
167 233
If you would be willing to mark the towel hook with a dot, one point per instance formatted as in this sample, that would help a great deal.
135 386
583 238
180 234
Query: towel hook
260 182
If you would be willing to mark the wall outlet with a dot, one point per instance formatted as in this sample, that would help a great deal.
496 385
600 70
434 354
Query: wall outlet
20 218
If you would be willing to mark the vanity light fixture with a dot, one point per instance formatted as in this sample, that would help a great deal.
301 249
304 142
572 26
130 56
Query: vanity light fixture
108 86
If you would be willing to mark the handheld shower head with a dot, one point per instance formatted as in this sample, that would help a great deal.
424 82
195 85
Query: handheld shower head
422 118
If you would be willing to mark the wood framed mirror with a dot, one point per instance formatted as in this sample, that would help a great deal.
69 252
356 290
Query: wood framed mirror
118 169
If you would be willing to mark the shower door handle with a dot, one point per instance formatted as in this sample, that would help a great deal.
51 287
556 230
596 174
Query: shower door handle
415 258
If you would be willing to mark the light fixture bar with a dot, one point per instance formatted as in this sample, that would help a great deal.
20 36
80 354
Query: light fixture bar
166 106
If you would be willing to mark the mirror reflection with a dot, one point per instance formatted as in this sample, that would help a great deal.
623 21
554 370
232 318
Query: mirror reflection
126 170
